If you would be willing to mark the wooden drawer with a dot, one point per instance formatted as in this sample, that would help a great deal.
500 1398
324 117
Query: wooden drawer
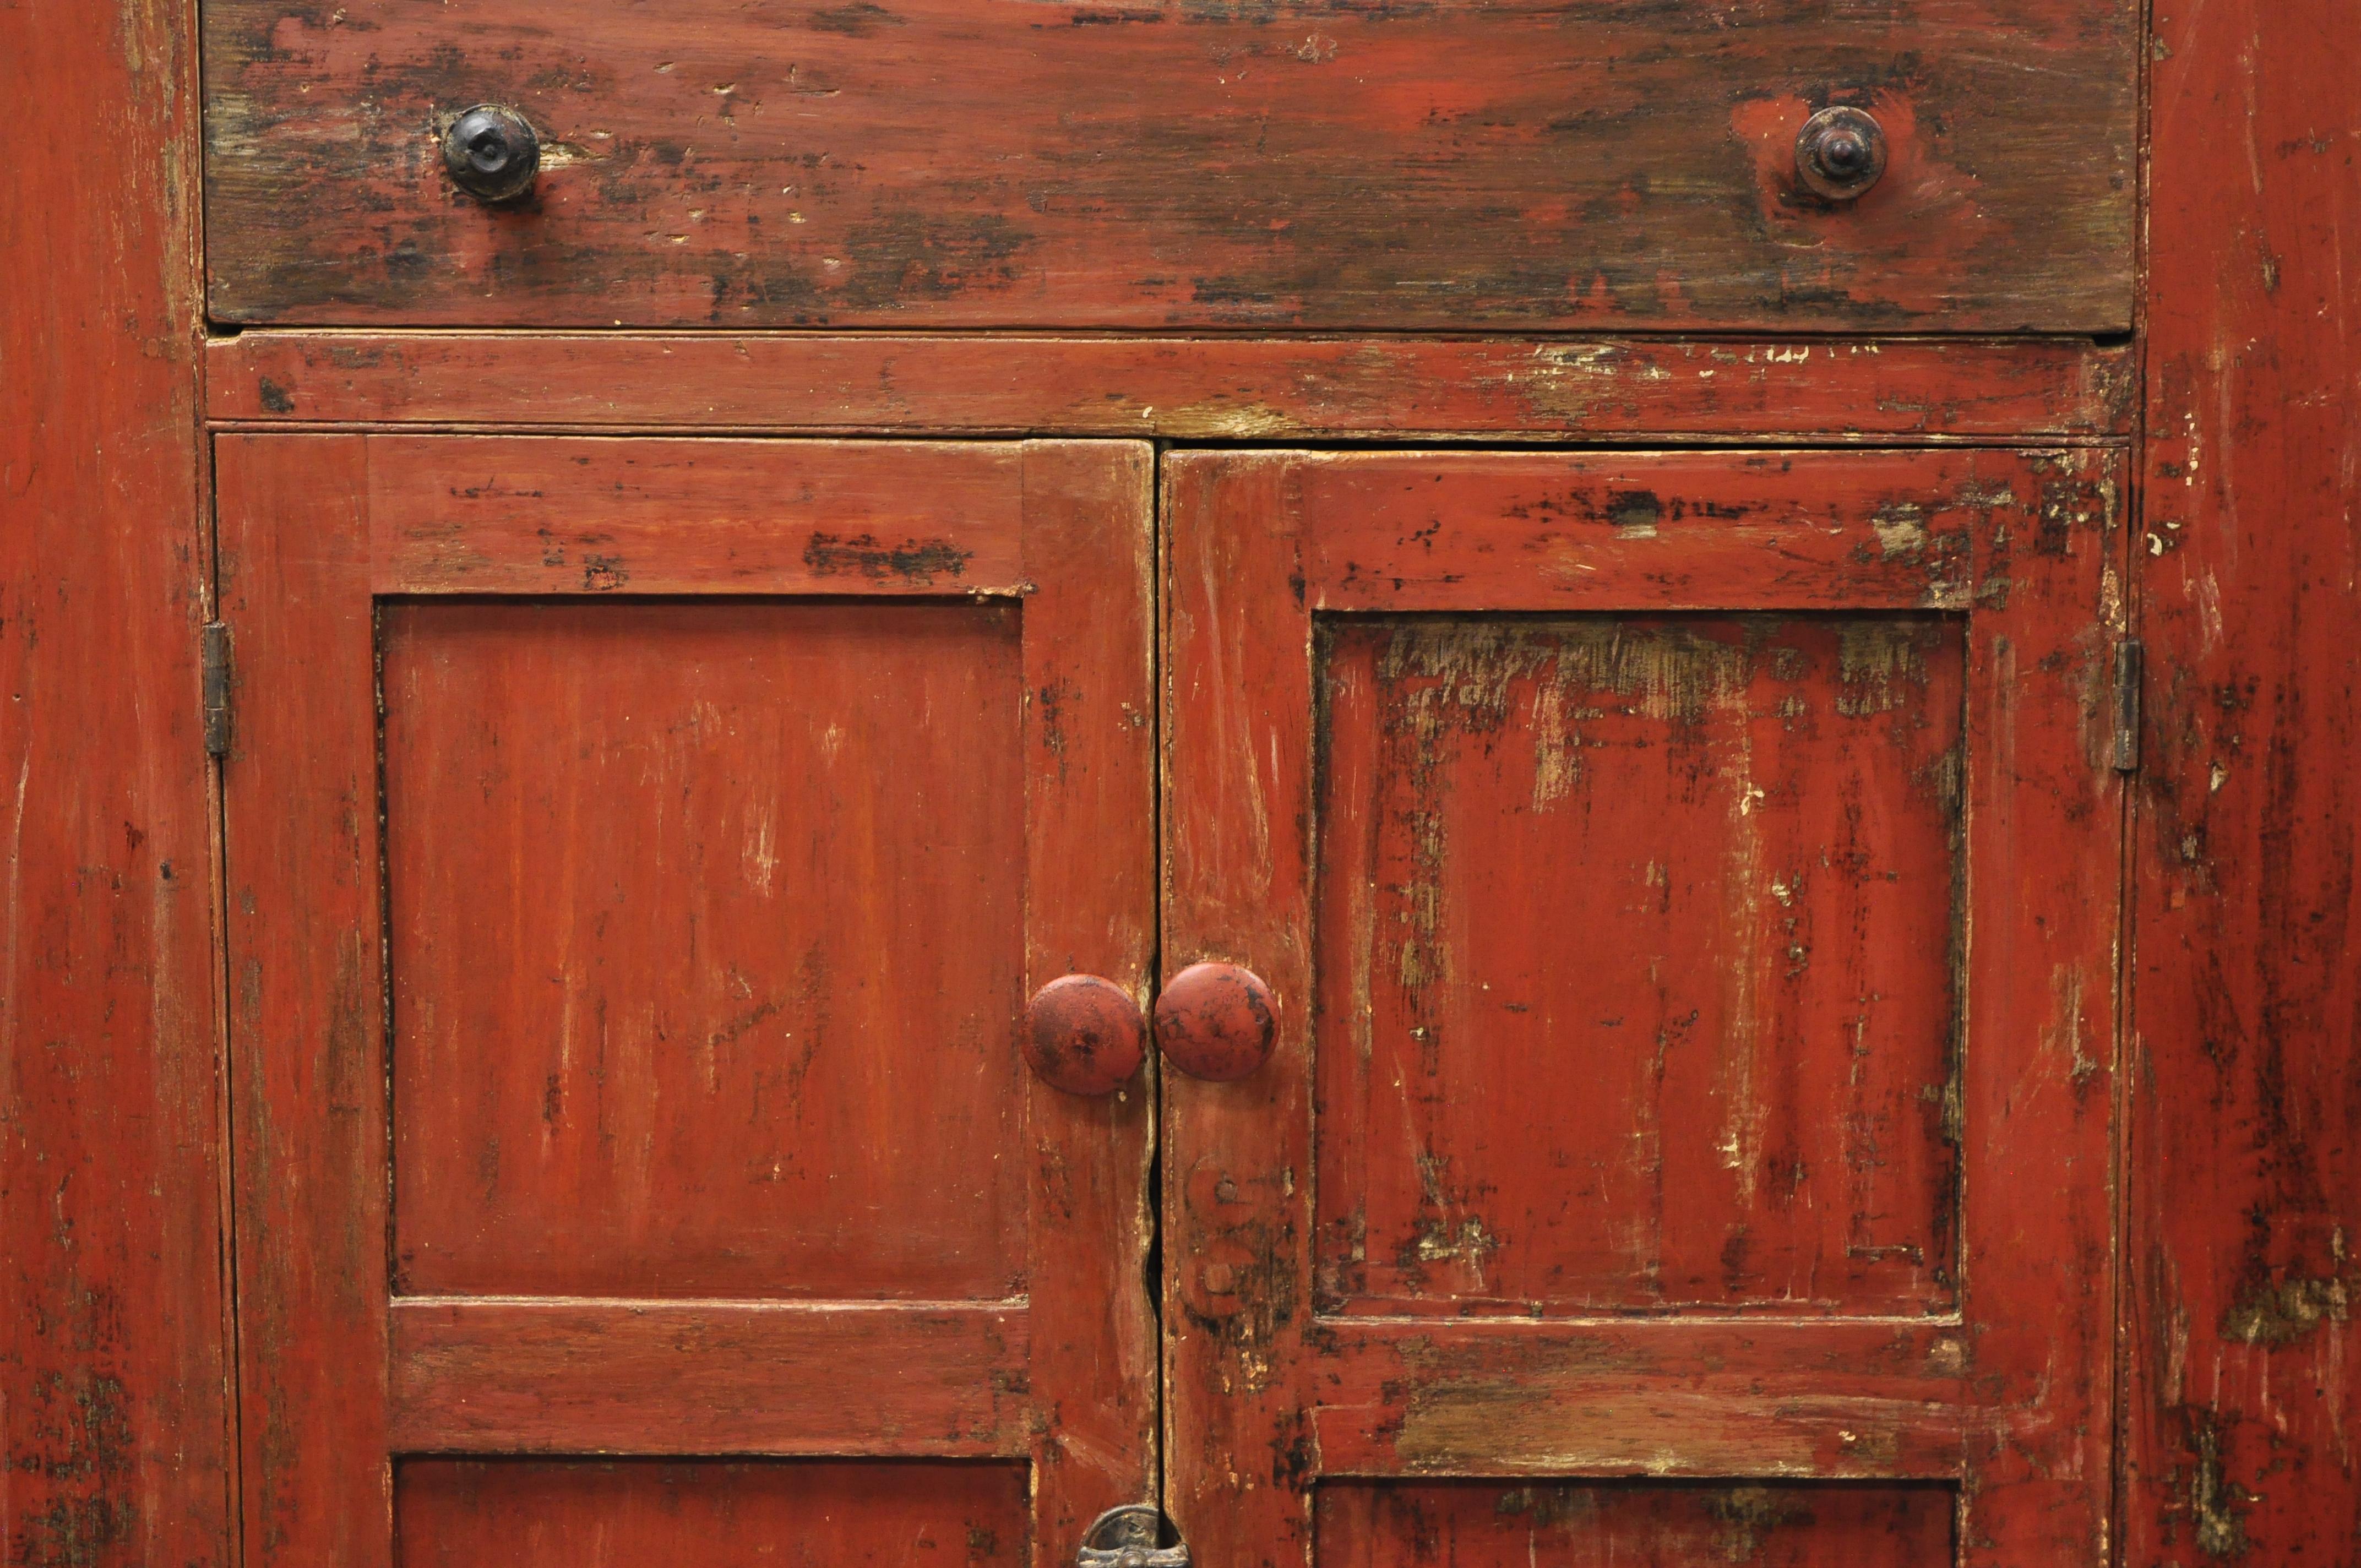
1525 165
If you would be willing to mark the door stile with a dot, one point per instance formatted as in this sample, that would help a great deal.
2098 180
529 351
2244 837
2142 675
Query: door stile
307 1001
1090 908
2045 804
1238 1442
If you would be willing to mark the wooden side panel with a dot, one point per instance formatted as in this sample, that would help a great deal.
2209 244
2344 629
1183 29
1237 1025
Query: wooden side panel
1572 1525
706 936
113 1426
1196 389
2246 1213
307 1015
458 1513
1635 964
996 163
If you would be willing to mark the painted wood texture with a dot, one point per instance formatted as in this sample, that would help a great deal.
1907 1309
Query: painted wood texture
521 1376
1479 1525
1549 841
1201 388
680 1160
592 1514
2246 1115
113 1425
672 1080
999 163
2007 1397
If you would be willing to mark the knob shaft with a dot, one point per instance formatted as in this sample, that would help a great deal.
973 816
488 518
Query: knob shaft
1216 1022
493 153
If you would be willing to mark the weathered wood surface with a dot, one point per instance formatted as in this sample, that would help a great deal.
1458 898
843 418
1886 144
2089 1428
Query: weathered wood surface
710 920
113 1419
587 1513
2246 1175
1001 163
1264 789
1576 1525
493 515
1795 785
1200 389
523 1375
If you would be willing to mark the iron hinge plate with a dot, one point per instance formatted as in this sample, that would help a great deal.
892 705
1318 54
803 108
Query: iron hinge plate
214 674
2130 659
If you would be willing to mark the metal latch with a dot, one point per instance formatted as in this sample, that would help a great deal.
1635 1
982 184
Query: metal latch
1130 1537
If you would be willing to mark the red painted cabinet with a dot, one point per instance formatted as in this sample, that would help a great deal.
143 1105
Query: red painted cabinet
1679 883
1179 783
795 574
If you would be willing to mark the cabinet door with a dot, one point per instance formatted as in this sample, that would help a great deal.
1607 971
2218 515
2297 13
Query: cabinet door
1687 886
641 854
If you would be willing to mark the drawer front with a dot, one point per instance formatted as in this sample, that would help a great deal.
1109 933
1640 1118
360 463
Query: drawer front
1521 166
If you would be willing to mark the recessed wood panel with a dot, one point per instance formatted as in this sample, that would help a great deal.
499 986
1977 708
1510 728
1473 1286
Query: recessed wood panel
706 948
466 1513
1636 963
1633 1525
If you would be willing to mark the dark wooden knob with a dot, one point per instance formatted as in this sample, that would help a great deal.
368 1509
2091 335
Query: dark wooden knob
493 153
1216 1022
1839 153
1084 1034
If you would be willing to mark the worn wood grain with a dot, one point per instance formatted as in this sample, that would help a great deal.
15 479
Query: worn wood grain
499 515
1195 388
1089 750
2246 1115
301 863
1762 811
112 1417
707 921
2015 1412
994 163
1797 530
672 1080
1889 1400
1487 1524
456 1513
553 1376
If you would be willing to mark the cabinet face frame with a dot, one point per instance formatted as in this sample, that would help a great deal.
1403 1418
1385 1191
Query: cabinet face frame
2007 1399
339 1373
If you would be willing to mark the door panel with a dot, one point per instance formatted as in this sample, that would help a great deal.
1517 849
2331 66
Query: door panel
629 974
1675 859
1688 884
654 1096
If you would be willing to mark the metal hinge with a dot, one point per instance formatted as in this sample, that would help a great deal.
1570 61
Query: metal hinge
213 663
2129 657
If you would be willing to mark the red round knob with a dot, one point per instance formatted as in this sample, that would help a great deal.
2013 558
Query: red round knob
1216 1022
1083 1034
